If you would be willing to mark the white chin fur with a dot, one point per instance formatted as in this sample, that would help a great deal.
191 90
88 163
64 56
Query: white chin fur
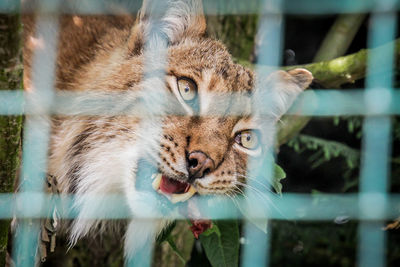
115 173
104 175
139 233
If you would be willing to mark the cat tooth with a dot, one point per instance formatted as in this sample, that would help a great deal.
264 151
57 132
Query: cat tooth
157 181
154 175
192 189
183 197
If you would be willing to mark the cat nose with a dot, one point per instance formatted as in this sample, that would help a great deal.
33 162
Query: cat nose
199 165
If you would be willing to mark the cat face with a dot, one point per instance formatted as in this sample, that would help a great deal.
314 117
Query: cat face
211 146
208 146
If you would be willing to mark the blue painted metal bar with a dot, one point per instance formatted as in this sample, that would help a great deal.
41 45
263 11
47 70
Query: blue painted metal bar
290 206
376 138
12 102
36 137
155 64
270 32
348 102
143 257
10 6
211 6
256 245
310 103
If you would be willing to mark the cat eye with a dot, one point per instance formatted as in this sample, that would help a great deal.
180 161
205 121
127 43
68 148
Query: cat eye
248 139
187 89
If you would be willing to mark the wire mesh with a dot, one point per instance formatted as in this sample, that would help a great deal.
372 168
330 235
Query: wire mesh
372 205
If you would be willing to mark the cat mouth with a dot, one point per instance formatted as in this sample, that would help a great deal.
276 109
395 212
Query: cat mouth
176 191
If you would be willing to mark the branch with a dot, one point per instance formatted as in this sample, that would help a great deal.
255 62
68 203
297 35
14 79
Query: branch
345 69
331 74
339 37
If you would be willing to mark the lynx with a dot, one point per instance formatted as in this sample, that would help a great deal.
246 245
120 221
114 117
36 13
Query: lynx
204 116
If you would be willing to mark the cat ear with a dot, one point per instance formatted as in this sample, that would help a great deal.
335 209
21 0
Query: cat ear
282 88
174 19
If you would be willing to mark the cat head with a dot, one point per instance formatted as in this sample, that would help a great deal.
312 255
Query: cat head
227 114
205 118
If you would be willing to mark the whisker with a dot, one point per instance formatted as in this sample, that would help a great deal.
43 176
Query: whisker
238 190
242 193
250 188
259 193
233 199
264 197
257 181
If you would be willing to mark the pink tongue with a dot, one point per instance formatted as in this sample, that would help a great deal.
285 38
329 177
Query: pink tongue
171 186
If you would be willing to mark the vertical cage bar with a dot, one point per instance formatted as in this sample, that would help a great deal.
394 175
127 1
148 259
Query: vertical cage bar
143 257
36 137
376 140
256 251
153 84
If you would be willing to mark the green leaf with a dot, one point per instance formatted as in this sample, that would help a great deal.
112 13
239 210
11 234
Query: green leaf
336 120
212 230
279 174
165 233
222 250
175 249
